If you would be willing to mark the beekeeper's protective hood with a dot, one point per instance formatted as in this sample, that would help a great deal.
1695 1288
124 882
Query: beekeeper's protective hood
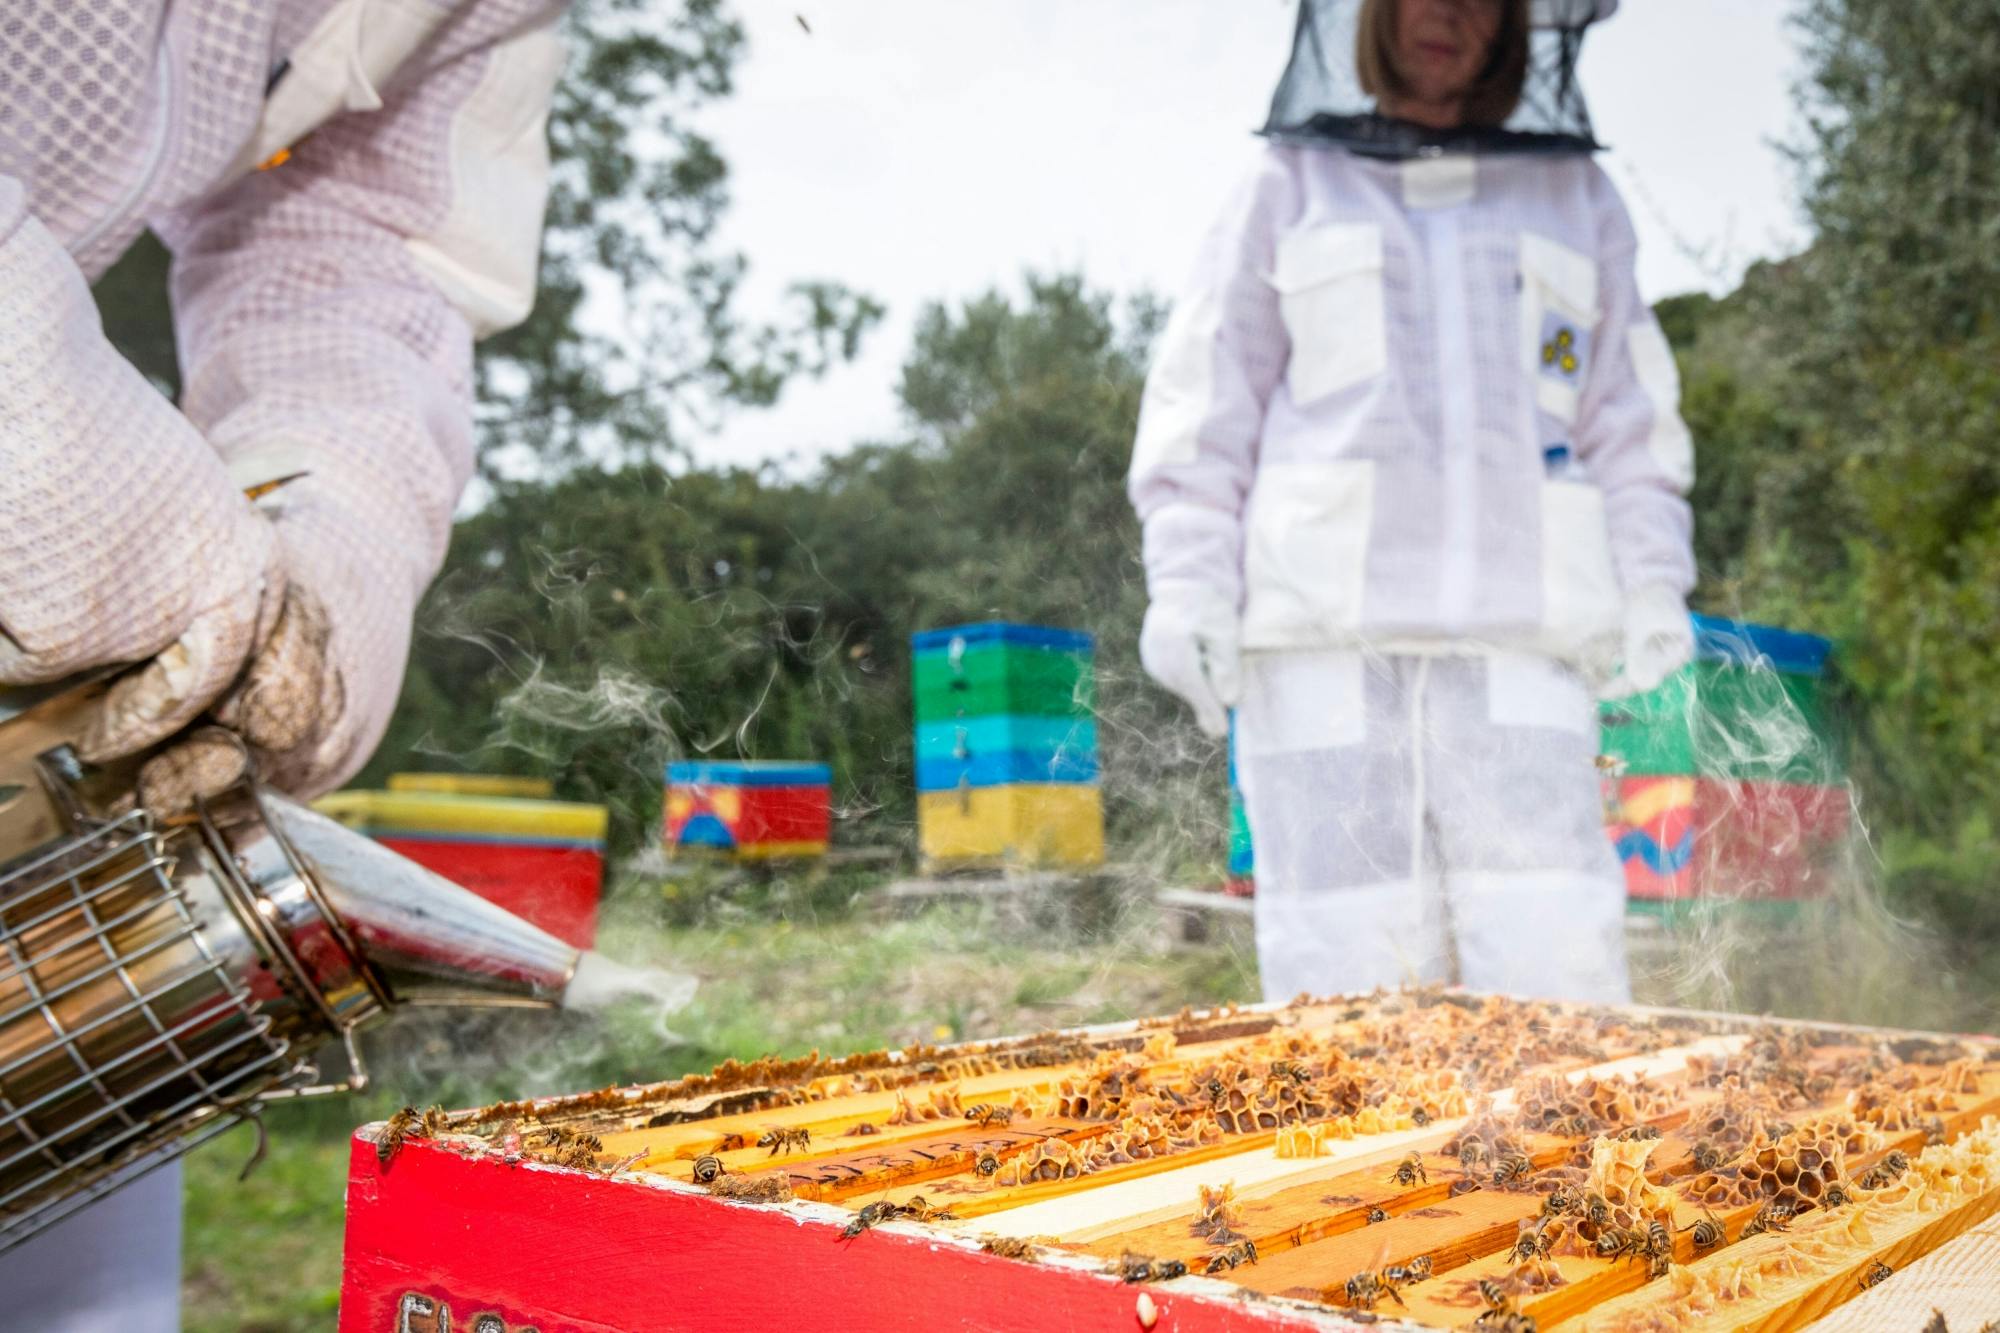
1321 97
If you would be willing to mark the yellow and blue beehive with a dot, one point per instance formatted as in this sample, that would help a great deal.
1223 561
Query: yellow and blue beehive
1006 746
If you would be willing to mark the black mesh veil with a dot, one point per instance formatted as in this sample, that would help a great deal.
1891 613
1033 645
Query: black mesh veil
1320 97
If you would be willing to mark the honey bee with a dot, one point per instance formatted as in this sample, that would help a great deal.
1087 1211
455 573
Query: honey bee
1885 1171
1597 1208
1560 1200
1290 1069
1818 1086
873 1214
1472 1153
1836 1197
1934 1131
1365 1290
986 1164
1415 1271
1506 1321
1139 1268
1615 1243
1494 1295
1420 1117
393 1134
780 1139
1571 1126
1659 1249
1513 1166
1771 1217
707 1168
1378 1215
1707 1157
1007 1247
1709 1232
1780 1129
1530 1244
985 1115
1410 1170
924 1211
1639 1133
1878 1272
1242 1253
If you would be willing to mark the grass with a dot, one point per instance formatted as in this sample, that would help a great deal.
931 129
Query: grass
263 1255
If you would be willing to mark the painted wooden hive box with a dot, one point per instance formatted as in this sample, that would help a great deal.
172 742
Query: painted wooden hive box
1413 1160
749 810
1728 779
1006 746
542 860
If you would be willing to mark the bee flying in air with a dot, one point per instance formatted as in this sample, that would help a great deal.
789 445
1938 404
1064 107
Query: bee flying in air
779 1139
1410 1170
1245 1252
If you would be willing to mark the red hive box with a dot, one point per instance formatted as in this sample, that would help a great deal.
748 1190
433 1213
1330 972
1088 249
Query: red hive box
1018 1185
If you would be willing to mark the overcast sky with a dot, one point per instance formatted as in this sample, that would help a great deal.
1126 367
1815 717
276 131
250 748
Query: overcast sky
929 149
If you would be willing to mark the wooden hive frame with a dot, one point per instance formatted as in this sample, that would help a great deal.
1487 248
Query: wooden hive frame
877 1199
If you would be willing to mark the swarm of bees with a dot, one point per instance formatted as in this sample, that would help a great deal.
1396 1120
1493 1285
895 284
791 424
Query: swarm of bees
986 1115
780 1139
409 1123
1141 1268
1709 1232
1243 1252
1876 1273
1365 1290
1410 1170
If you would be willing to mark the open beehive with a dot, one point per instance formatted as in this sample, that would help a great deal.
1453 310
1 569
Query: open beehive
1403 1160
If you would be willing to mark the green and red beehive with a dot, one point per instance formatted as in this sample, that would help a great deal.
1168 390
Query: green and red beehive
1729 784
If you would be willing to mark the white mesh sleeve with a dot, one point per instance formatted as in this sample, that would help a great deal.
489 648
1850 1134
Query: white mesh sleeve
1217 363
118 528
313 338
1629 432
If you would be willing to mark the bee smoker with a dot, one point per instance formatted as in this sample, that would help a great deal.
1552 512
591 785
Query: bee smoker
161 983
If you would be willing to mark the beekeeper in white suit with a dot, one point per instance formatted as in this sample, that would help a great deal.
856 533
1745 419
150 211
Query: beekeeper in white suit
352 191
1413 480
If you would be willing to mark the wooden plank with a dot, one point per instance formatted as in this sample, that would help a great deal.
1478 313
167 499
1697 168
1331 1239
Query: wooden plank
1096 1206
1590 1281
1788 1303
1960 1280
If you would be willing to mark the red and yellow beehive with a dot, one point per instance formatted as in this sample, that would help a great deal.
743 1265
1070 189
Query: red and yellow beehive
1420 1156
542 860
749 810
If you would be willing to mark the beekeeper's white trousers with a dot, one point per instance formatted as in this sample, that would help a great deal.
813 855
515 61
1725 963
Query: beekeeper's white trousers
114 1267
1428 818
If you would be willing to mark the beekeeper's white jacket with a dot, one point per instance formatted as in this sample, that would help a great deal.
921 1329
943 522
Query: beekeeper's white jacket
1343 435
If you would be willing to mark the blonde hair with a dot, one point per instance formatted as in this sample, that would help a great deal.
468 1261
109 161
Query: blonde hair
1492 97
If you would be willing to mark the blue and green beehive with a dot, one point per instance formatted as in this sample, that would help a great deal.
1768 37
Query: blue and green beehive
1006 751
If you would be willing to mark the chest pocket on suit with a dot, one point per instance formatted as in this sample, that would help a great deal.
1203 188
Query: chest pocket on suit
1558 322
1329 285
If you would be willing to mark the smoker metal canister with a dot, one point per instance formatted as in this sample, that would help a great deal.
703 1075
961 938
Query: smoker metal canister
158 985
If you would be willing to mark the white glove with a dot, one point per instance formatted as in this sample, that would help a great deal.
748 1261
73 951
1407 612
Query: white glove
1190 644
1659 639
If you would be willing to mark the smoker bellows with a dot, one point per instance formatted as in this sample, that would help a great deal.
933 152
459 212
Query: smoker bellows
1424 1160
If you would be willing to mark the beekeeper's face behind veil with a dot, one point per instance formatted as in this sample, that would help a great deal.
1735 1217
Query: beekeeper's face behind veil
1443 63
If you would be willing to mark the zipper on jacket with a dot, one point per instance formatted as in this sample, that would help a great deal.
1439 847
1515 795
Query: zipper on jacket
1458 444
155 155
